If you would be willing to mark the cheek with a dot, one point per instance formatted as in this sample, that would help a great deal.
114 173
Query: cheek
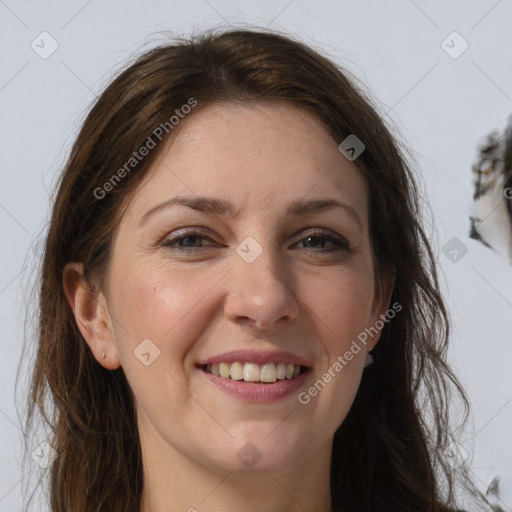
163 304
340 308
341 302
171 308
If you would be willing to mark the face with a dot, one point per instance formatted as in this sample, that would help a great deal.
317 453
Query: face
256 276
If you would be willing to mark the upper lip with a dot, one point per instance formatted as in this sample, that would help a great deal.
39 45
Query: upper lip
259 357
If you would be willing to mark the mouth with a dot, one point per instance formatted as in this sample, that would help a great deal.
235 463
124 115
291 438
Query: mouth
267 373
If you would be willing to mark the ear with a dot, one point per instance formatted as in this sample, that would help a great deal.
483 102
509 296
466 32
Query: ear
385 283
91 313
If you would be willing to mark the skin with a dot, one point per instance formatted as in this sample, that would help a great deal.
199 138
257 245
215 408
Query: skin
295 296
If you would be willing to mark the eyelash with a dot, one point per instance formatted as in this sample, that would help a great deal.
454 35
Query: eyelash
323 235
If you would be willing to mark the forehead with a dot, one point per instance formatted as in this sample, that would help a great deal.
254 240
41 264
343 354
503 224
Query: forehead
266 128
259 155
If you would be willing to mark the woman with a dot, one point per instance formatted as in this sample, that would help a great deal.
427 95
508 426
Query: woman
235 230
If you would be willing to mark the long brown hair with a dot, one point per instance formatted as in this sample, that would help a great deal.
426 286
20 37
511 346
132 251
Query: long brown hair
392 452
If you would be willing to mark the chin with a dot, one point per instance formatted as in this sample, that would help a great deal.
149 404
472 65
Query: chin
253 452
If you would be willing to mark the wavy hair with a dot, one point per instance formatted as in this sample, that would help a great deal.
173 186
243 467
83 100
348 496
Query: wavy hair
392 452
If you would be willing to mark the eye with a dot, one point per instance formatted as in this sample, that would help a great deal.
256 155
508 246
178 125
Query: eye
186 242
314 238
190 241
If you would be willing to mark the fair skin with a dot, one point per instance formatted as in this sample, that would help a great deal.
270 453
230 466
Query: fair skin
296 296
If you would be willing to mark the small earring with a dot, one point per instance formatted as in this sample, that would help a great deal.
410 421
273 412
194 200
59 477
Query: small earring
103 355
369 360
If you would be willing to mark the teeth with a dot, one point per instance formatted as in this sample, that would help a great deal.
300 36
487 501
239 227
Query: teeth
269 372
224 370
252 372
236 371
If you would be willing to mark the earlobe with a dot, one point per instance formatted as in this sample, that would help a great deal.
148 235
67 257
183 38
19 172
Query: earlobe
91 314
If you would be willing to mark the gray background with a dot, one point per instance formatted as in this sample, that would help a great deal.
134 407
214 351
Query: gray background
443 106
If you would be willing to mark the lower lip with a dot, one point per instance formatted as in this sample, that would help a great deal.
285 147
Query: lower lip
252 392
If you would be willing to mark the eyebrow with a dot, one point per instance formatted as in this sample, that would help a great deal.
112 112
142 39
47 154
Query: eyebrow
220 207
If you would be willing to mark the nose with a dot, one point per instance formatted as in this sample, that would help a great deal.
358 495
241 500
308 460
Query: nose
261 293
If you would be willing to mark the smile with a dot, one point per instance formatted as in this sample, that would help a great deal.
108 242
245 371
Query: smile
253 372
